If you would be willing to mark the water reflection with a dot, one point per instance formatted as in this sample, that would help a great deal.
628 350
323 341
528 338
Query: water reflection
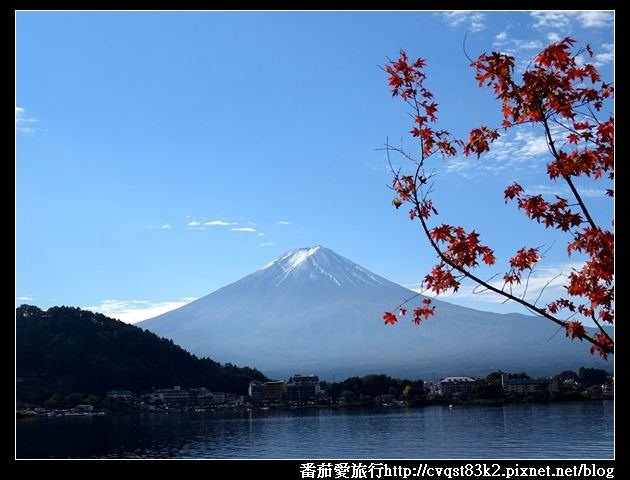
508 431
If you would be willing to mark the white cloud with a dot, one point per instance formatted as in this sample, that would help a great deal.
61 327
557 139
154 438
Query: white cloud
163 226
219 223
261 234
243 229
528 44
194 223
132 311
504 41
23 123
595 19
532 146
267 244
24 298
553 37
283 222
606 55
564 191
501 37
592 193
473 21
513 151
558 20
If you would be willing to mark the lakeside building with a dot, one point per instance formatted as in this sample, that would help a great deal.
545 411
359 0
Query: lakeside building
170 396
255 391
527 385
273 391
456 385
219 397
203 395
301 388
124 394
267 392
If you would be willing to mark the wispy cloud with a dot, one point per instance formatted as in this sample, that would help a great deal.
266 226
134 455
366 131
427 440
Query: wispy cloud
261 234
514 151
500 38
565 191
267 244
595 19
553 37
163 226
605 55
132 311
531 145
24 123
203 224
503 41
219 223
243 229
24 298
558 20
555 20
473 21
283 222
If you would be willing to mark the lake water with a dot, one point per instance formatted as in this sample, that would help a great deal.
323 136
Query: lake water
578 430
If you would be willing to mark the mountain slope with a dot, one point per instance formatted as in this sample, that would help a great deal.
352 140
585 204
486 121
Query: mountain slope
68 350
312 310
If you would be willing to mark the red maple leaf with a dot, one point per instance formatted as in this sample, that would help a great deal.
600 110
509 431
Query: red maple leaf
575 329
389 318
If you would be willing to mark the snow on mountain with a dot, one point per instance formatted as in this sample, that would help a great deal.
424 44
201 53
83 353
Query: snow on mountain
316 262
312 310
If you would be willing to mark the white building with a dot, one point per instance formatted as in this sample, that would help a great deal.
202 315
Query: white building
452 385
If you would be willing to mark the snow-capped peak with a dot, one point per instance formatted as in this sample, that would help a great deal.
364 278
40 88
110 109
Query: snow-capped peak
318 262
299 256
293 258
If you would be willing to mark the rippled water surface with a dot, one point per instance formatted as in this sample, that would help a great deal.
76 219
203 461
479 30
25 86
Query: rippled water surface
558 430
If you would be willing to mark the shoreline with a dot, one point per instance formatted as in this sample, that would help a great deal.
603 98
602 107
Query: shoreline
31 413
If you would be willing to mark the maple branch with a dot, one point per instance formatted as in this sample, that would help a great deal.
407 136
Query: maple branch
488 286
408 300
601 329
592 114
572 130
548 92
483 289
527 283
464 48
567 178
465 273
545 286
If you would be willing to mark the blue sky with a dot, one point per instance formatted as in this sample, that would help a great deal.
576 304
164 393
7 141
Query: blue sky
163 155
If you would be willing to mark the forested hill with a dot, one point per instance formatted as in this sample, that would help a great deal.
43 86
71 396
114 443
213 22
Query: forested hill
66 349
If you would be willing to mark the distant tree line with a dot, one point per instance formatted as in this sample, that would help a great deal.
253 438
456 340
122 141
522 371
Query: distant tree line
63 351
365 390
569 383
355 389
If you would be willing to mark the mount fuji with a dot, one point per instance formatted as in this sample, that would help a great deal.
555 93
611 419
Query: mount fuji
314 311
